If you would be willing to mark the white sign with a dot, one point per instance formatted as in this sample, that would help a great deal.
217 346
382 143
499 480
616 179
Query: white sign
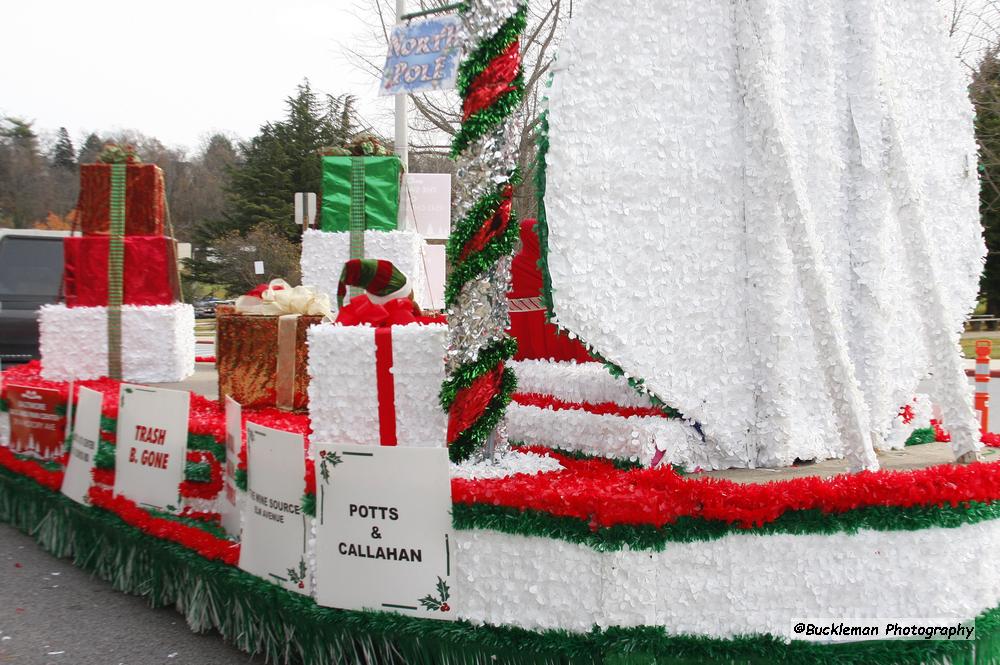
305 209
83 447
435 264
151 444
383 530
428 203
273 545
234 442
258 267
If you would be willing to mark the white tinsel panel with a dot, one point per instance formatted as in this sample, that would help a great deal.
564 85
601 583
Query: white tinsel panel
736 585
343 390
737 135
158 344
324 254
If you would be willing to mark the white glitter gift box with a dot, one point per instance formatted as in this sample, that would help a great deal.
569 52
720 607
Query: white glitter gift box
324 254
357 373
158 344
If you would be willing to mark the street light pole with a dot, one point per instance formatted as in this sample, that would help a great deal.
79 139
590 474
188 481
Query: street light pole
401 139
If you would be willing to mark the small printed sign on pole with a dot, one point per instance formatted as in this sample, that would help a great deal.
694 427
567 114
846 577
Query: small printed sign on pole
234 442
423 55
151 444
275 529
83 447
383 530
305 209
37 421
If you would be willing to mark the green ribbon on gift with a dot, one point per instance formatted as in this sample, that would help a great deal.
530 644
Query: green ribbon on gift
116 269
357 214
376 197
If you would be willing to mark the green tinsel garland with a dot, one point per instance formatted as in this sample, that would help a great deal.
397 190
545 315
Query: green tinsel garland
463 446
282 626
240 479
695 529
482 260
4 407
922 435
487 360
472 66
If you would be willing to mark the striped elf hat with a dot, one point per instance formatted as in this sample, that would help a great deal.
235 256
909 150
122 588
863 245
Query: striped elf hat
382 280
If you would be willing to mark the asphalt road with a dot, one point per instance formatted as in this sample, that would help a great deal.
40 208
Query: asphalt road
51 613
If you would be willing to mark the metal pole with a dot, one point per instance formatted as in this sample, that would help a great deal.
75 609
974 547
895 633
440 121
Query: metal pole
401 140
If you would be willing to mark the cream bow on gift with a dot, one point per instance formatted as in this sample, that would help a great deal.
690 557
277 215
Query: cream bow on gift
280 298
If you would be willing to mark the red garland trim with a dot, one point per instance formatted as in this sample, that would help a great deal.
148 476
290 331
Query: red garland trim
470 403
47 478
492 228
193 538
493 82
595 491
600 409
205 359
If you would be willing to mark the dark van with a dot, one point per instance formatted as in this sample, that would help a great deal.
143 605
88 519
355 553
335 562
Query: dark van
31 267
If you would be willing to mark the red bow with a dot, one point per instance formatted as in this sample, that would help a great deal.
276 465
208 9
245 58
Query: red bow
398 312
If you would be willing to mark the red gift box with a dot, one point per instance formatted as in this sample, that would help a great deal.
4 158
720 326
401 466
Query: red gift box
150 271
145 204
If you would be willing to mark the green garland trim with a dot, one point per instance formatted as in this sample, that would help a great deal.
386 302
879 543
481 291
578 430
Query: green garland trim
4 407
104 458
479 262
240 479
489 357
309 504
491 47
207 443
922 435
281 626
693 529
461 448
481 122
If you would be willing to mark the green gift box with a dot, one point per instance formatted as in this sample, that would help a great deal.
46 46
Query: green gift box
360 184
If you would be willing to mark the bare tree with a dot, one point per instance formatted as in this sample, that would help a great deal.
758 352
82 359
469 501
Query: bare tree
438 115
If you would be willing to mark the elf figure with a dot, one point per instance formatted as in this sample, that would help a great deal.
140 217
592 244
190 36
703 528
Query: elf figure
381 280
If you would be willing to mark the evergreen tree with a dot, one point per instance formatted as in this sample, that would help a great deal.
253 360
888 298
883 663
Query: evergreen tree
281 160
985 93
63 153
91 149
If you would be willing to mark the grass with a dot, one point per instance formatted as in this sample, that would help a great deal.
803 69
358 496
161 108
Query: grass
969 347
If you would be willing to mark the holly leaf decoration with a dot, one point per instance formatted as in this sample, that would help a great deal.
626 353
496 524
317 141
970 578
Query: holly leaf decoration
443 590
430 602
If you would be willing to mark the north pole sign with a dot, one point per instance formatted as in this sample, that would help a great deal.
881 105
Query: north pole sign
423 55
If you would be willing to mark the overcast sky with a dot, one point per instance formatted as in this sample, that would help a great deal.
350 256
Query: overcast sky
183 69
177 70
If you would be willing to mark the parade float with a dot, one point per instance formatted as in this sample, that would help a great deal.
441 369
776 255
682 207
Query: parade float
772 284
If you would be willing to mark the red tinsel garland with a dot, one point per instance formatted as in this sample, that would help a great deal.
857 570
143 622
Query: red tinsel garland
494 227
601 409
47 478
594 490
204 543
209 490
471 402
493 82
